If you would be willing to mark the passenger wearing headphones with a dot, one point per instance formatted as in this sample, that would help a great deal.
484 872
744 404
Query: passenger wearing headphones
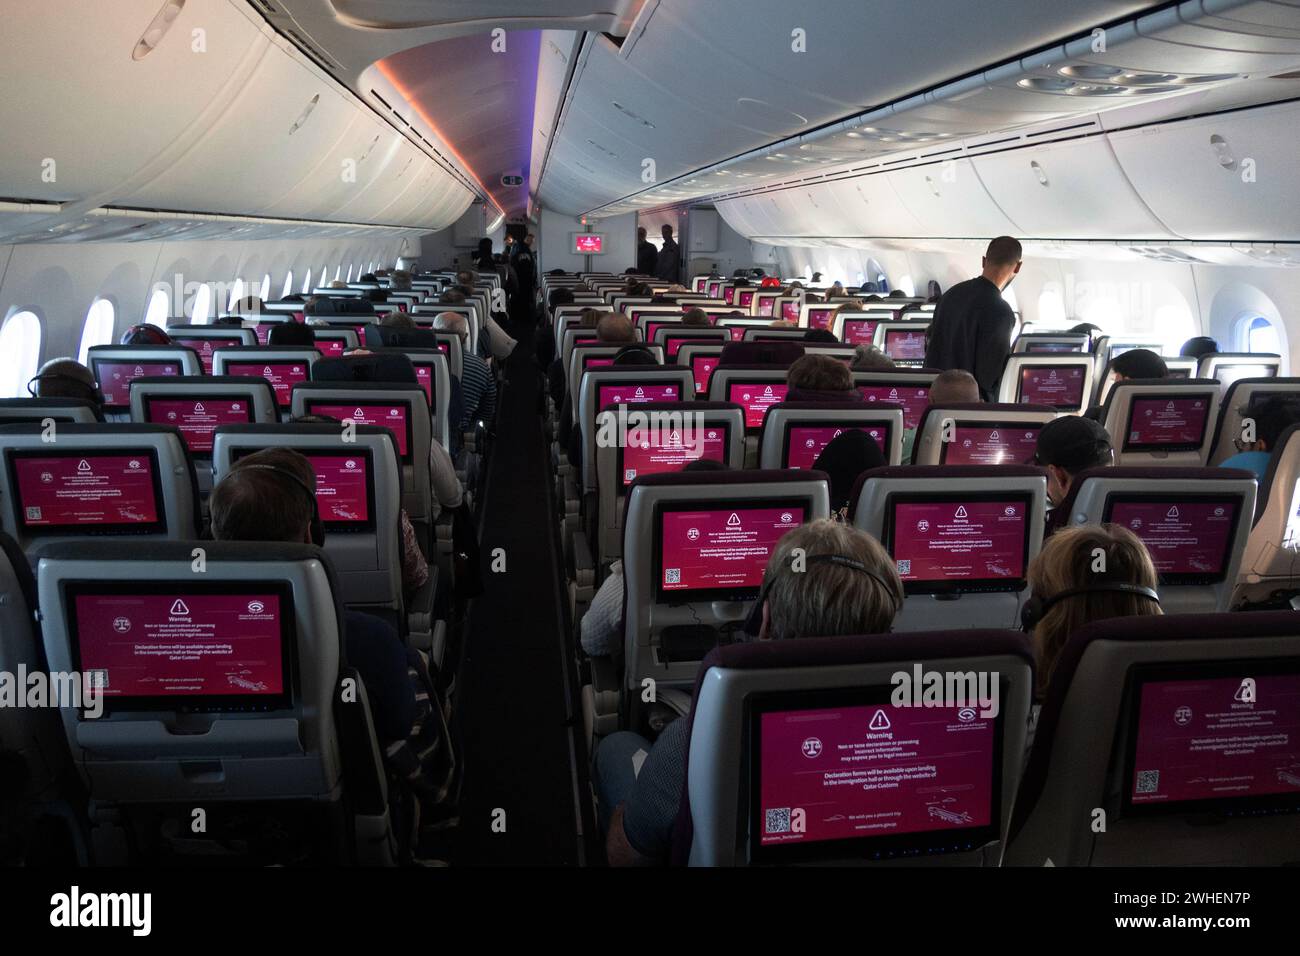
847 585
270 496
1067 592
145 334
66 378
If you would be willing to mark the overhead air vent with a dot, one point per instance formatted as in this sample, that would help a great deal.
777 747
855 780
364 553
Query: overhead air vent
157 29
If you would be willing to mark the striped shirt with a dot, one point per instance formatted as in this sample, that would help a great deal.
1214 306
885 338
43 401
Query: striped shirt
478 391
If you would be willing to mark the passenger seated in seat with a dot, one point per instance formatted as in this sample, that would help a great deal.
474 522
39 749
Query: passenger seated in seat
1271 415
869 358
478 386
1199 346
601 633
820 378
846 457
398 320
615 329
1066 446
956 386
268 496
824 336
823 599
1135 363
66 378
696 319
145 334
1066 565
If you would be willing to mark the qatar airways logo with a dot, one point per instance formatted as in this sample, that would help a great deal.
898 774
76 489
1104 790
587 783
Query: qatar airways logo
683 432
971 693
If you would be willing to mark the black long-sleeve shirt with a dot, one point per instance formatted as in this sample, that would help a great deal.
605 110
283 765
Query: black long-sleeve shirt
971 330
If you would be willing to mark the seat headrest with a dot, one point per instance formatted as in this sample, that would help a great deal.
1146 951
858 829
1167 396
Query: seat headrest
761 353
382 337
365 368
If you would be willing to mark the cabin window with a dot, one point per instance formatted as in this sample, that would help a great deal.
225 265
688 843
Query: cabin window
306 282
1009 297
349 278
20 352
338 272
908 286
324 275
1051 310
202 305
288 286
159 306
1260 335
266 287
236 293
1174 325
882 283
98 329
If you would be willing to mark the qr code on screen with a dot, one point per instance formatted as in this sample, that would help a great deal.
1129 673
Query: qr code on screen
777 821
96 680
904 565
34 514
672 575
1148 781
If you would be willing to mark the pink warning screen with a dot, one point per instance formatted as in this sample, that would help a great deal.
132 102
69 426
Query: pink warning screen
724 549
905 344
384 414
635 393
331 348
87 491
665 450
342 488
702 367
859 331
807 442
1059 387
206 346
1004 444
746 297
765 305
115 378
790 311
915 399
820 318
673 343
198 418
729 295
1217 738
282 376
756 398
652 327
1163 422
173 645
424 375
968 540
1184 537
874 771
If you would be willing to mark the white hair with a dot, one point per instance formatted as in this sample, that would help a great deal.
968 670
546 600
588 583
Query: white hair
451 322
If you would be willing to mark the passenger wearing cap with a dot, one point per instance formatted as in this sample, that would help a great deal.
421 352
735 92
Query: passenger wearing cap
846 585
1067 446
66 378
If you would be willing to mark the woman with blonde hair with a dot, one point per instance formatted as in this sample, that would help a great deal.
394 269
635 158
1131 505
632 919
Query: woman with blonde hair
1085 574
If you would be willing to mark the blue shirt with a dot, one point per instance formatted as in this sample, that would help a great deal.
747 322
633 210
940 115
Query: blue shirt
1256 461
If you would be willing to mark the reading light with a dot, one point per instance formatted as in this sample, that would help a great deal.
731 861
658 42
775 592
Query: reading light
156 29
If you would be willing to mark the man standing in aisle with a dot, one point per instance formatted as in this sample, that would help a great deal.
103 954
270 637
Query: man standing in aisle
647 256
667 266
972 323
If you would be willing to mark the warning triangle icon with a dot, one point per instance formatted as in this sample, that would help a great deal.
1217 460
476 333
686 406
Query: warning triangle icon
961 512
879 721
1246 692
198 407
1172 512
767 390
640 392
993 436
358 413
83 465
178 607
733 521
267 371
674 438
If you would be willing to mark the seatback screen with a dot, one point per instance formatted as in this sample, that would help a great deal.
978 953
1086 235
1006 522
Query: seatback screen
1229 739
1005 443
907 778
790 311
915 399
331 348
765 304
1189 537
198 416
1057 386
670 449
115 378
390 415
344 490
206 346
282 375
105 493
1229 373
674 343
729 294
702 367
906 345
756 398
1167 422
952 543
746 298
1033 347
719 553
652 327
153 649
805 443
820 318
859 331
424 375
630 393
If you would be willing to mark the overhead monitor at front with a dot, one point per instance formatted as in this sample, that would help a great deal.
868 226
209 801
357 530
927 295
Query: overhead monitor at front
588 243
